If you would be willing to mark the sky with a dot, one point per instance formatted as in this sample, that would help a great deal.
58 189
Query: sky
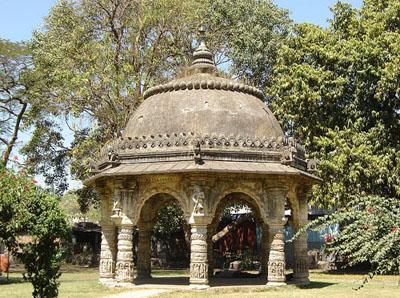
19 18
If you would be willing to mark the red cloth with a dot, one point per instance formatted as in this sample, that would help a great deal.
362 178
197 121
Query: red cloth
4 263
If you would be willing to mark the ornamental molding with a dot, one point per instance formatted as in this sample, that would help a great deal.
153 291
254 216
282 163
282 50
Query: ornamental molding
210 83
188 146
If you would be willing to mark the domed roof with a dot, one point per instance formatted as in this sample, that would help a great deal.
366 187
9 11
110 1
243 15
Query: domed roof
204 104
202 122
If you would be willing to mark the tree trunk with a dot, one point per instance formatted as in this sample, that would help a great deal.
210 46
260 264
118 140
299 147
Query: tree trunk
221 234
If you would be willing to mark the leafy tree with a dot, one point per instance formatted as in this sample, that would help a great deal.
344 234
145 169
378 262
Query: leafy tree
25 209
46 154
170 220
70 203
370 232
337 89
15 83
96 58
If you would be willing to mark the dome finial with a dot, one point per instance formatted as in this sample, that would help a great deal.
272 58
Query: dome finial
202 34
202 57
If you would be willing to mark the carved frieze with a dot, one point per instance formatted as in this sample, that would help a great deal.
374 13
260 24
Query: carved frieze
198 147
276 270
125 271
198 271
106 267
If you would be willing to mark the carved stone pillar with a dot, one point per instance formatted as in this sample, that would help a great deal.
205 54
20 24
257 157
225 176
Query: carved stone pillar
144 252
300 249
124 267
198 256
107 253
210 252
276 260
108 236
300 269
265 245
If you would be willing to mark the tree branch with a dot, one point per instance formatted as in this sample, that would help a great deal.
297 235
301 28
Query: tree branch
14 137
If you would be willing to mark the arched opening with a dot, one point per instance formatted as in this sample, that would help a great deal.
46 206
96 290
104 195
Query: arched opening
236 240
163 240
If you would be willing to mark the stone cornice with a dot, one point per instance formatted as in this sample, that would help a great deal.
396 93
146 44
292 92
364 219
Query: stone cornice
186 146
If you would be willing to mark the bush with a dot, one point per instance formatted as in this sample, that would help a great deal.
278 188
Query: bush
369 232
26 209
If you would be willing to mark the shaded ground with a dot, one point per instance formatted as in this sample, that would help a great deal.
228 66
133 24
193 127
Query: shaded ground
82 282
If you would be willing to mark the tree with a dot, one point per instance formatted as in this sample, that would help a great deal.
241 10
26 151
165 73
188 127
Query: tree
14 87
46 154
337 89
369 233
96 58
25 209
70 204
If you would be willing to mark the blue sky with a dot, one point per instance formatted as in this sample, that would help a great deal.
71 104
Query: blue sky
18 18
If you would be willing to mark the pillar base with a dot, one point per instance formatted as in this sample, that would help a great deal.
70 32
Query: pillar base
276 284
106 280
143 276
301 281
199 286
124 284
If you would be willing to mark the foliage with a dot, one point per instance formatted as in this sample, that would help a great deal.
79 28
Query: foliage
245 35
338 89
47 155
70 204
28 210
369 232
170 220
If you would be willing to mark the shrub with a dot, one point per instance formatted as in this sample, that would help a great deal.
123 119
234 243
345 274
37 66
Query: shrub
369 232
27 209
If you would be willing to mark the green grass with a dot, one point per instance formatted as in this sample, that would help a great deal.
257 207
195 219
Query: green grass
82 282
323 285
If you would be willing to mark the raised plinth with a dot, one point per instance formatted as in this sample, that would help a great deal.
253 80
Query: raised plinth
276 284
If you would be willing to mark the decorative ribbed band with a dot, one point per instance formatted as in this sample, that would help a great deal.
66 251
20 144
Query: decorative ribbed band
210 84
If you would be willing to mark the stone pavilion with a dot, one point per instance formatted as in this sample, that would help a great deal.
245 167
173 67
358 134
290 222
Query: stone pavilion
203 141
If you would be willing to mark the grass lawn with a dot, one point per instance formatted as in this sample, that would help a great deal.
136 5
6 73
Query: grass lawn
322 285
74 283
82 282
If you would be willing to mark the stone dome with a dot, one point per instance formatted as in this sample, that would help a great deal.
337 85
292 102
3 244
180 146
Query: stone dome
201 106
220 124
204 104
